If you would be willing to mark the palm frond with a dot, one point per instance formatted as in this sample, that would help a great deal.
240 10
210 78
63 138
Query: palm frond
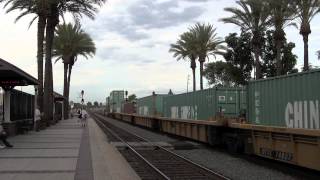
206 40
184 48
32 21
252 15
77 8
71 41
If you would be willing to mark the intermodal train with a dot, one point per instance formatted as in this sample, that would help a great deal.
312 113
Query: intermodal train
275 118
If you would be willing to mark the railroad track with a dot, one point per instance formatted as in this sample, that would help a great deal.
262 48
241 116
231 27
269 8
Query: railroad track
155 162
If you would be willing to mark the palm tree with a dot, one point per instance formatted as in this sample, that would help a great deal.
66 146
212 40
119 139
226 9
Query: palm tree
37 8
207 43
70 42
59 8
252 16
48 12
184 48
282 13
306 10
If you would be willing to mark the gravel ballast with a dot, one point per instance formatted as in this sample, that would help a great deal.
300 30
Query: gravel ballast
232 167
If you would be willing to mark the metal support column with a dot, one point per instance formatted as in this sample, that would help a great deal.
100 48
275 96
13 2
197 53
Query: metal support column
6 103
35 102
62 113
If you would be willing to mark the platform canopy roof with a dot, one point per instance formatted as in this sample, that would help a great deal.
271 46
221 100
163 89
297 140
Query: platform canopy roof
57 96
11 76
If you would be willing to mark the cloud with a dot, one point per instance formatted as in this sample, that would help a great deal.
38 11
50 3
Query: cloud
151 14
142 16
196 1
120 57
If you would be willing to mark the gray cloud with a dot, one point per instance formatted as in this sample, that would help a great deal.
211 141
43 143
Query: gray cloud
144 15
149 45
150 14
106 53
116 55
196 1
116 23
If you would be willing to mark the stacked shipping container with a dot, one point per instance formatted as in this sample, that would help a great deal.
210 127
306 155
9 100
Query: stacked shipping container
115 101
288 101
201 105
129 107
151 105
108 104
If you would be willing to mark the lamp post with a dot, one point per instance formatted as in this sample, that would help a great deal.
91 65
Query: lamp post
82 100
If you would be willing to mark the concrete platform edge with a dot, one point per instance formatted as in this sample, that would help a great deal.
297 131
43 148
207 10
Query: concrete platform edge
107 162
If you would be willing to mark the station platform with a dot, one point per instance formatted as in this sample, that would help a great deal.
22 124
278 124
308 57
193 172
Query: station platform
65 151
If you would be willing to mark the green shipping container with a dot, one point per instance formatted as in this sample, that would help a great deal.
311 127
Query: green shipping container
288 101
201 105
116 98
151 105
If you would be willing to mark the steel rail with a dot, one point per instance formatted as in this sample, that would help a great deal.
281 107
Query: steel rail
173 153
133 150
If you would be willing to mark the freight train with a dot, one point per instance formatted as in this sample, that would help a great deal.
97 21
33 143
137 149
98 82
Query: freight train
275 118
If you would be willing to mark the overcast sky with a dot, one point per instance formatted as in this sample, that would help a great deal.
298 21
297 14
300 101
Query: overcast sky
132 39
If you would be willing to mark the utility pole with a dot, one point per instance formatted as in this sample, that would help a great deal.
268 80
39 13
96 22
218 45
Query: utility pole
126 93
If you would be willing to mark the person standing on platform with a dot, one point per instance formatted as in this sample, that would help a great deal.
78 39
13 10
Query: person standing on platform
3 138
84 116
37 118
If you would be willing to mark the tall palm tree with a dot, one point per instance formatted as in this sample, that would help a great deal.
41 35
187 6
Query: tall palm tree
185 48
252 16
70 42
39 9
306 10
48 12
282 13
207 43
59 8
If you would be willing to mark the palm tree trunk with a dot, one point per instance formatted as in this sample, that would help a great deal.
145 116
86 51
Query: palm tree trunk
69 79
68 87
40 36
193 67
257 62
65 90
194 79
201 74
306 52
279 37
48 82
53 20
278 57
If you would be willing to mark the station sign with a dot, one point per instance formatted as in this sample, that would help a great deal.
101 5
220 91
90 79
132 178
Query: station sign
12 82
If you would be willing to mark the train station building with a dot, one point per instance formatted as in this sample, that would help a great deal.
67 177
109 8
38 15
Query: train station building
17 107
